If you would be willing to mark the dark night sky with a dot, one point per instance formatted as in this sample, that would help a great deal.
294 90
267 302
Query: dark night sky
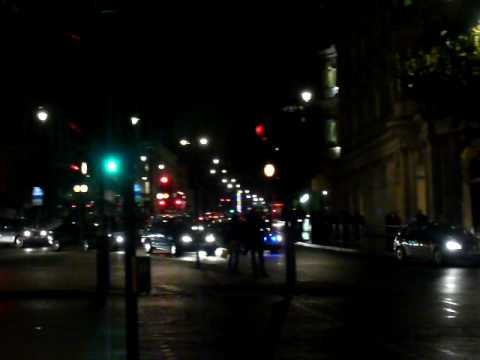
184 67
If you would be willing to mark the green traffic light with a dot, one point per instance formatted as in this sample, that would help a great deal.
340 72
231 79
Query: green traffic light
111 165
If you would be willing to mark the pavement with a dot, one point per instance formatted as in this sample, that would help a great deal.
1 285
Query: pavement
346 305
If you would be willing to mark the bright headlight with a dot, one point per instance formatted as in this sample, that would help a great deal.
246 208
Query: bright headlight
279 238
453 245
43 233
119 239
210 238
27 233
187 239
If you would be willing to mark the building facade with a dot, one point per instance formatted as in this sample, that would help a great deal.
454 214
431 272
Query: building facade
395 155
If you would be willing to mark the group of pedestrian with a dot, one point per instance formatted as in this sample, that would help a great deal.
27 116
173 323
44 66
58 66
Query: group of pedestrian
245 236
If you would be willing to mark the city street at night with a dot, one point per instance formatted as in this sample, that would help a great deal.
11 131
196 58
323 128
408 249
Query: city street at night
203 181
346 304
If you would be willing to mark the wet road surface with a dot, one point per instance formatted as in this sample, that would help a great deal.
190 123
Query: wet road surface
346 305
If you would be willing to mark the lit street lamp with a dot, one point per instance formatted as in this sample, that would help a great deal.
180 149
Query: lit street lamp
135 120
306 96
143 158
325 192
184 142
161 166
224 171
224 180
269 170
216 161
305 198
203 141
230 186
213 171
42 115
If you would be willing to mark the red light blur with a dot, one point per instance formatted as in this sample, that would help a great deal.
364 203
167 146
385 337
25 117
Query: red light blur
260 130
164 180
162 203
74 167
178 202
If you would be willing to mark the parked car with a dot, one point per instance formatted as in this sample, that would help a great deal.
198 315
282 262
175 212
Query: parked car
436 242
8 230
177 236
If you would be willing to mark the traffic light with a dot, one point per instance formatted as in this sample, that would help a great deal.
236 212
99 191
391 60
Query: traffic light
111 165
260 130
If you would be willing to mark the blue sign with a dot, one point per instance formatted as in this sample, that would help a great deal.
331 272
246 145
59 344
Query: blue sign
37 192
37 196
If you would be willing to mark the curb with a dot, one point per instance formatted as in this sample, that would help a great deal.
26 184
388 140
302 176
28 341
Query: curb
331 248
342 249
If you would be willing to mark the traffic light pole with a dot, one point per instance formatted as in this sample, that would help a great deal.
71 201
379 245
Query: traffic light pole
129 220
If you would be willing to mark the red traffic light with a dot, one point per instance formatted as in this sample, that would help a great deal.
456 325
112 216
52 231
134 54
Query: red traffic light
260 130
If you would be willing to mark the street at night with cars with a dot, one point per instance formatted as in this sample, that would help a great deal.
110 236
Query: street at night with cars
240 181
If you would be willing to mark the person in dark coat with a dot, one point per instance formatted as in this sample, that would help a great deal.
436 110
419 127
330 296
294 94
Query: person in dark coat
254 236
234 236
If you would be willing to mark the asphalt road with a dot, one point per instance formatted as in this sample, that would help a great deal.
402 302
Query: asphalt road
346 305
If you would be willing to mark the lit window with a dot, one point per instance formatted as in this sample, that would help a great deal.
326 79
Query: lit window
331 131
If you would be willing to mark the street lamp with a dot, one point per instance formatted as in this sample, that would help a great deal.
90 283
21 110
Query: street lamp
230 186
203 141
184 142
143 158
224 171
325 192
224 180
216 161
233 180
161 166
269 170
135 120
305 198
213 171
306 96
42 115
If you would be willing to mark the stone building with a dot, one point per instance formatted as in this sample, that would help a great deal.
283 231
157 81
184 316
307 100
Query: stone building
393 157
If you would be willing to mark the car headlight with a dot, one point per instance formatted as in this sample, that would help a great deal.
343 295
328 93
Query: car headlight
210 238
43 233
119 239
50 240
187 239
279 238
453 245
27 233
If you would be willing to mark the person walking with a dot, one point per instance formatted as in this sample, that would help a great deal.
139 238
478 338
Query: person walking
234 236
255 244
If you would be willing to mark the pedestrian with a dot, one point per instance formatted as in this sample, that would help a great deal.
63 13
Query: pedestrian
234 236
254 235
